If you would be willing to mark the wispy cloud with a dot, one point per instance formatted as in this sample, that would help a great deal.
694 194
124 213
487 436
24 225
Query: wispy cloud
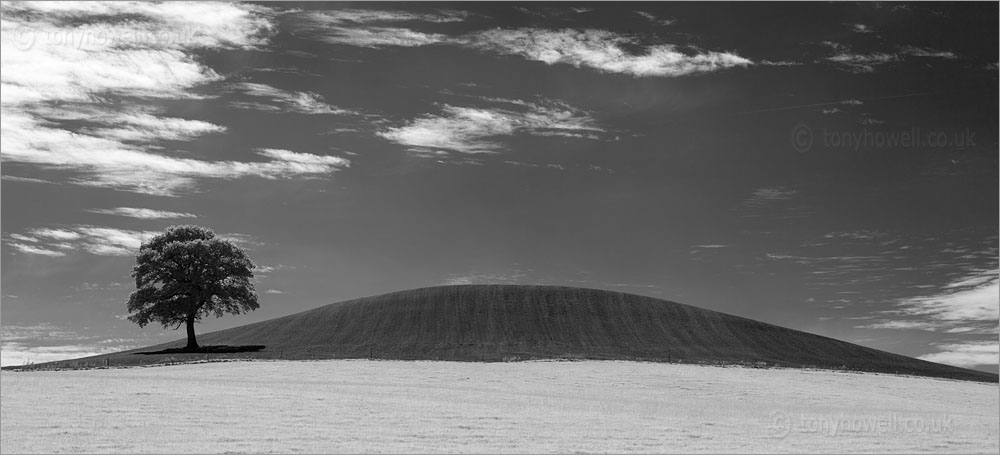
370 16
861 28
283 101
381 37
561 167
373 28
901 325
28 248
764 196
968 305
98 240
597 49
656 20
927 52
110 163
473 130
867 62
145 214
150 57
970 299
601 50
968 354
17 353
862 63
860 234
290 162
14 178
47 342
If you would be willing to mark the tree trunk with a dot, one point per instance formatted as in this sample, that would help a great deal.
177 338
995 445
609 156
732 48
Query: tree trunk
192 344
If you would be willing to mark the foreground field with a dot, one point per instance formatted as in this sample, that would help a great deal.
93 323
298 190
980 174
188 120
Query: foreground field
392 406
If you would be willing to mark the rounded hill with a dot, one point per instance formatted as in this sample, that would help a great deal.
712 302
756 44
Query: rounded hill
505 322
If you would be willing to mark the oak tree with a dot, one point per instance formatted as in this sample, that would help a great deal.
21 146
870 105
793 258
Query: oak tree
187 273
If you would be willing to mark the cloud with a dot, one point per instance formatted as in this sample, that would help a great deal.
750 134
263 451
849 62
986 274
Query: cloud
777 63
126 124
24 179
98 240
16 354
82 50
284 101
145 214
33 332
367 16
601 50
381 37
302 163
273 291
973 298
900 325
862 63
31 249
764 196
927 52
560 167
866 63
47 342
111 163
968 354
64 72
371 28
58 234
860 234
652 18
472 130
598 49
861 28
970 304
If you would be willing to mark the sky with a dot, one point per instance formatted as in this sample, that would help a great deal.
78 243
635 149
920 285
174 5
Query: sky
827 167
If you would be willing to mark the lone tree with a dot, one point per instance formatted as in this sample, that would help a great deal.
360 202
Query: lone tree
186 273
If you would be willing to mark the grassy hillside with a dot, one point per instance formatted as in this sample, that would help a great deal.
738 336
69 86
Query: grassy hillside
503 322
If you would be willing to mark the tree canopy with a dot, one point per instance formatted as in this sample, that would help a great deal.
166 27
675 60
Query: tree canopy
187 273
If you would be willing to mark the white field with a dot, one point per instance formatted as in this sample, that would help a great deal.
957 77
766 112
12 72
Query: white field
389 406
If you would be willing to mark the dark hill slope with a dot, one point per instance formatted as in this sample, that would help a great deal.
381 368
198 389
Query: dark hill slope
492 322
